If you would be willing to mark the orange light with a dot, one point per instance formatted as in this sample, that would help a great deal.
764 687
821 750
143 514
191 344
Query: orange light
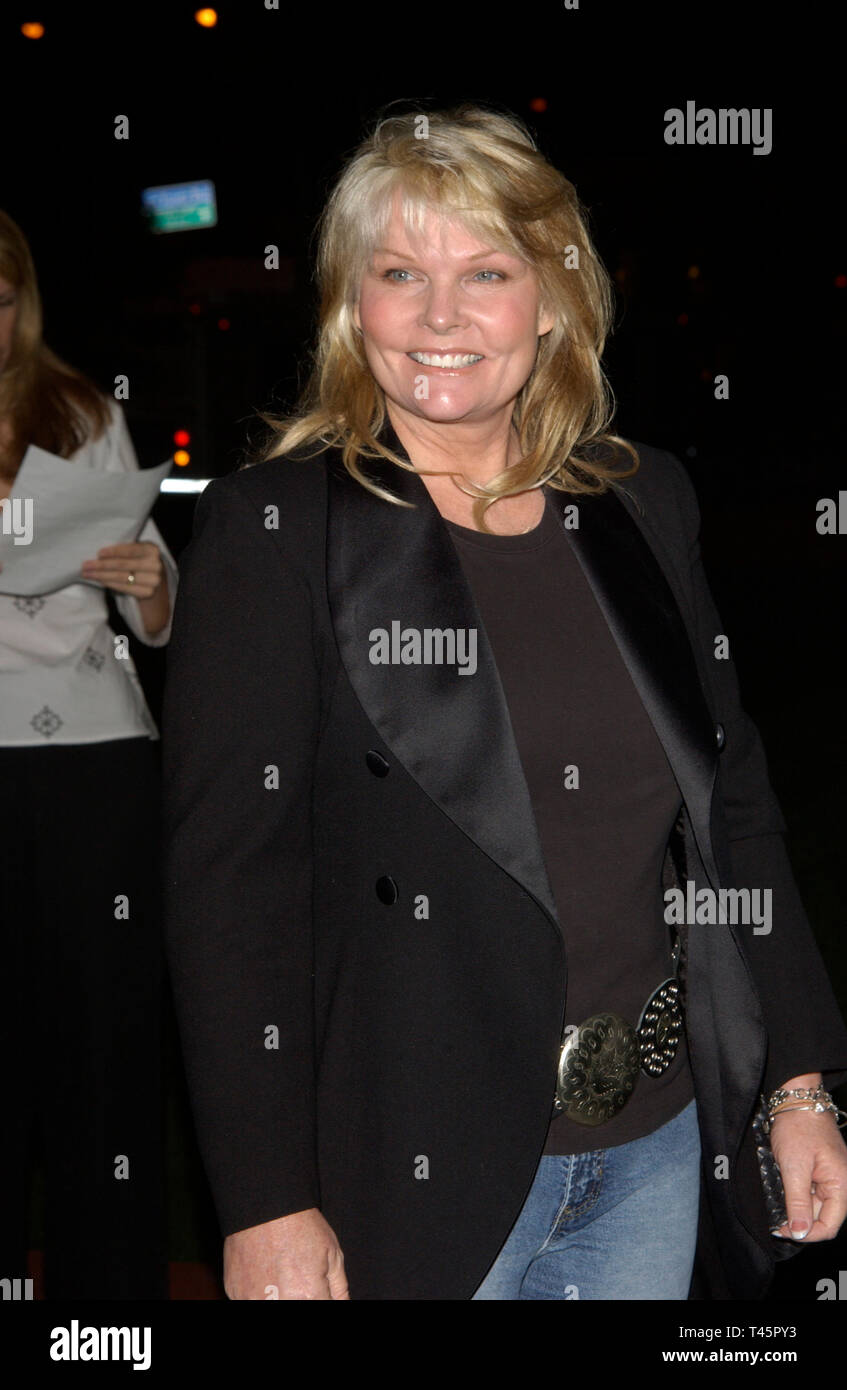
181 458
223 325
538 104
207 19
182 437
694 272
32 31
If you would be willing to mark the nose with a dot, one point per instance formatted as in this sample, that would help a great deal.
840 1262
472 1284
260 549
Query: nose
443 310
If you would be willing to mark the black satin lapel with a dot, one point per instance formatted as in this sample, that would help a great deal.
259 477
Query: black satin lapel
644 619
451 732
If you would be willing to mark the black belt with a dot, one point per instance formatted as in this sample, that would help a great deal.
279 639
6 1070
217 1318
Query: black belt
600 1061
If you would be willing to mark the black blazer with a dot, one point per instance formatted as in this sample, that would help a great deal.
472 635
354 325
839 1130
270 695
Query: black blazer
348 1048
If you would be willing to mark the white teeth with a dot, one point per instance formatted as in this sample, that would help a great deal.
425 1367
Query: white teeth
429 359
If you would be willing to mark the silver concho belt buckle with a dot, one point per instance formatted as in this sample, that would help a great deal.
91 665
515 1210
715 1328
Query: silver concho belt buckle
598 1068
599 1061
660 1027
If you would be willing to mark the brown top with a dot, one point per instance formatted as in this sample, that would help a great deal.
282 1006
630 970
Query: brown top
573 705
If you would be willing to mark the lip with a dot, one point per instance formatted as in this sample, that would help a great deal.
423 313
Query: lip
443 352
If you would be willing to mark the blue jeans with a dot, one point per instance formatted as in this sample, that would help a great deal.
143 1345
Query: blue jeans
616 1223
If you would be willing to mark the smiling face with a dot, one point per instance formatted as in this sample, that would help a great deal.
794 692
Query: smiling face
449 325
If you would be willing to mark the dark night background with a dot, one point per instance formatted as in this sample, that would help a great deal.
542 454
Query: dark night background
269 103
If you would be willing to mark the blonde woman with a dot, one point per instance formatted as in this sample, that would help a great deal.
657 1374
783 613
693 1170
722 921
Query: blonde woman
445 746
80 775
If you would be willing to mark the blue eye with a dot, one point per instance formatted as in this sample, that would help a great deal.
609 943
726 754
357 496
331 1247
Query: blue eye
390 274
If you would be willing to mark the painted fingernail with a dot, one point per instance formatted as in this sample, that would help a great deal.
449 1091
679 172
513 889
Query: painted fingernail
799 1228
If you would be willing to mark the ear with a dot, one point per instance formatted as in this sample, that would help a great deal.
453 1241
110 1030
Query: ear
546 321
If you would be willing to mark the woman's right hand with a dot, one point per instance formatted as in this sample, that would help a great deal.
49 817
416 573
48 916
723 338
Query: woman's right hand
293 1257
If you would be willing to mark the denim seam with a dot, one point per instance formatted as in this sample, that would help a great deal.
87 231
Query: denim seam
561 1207
595 1180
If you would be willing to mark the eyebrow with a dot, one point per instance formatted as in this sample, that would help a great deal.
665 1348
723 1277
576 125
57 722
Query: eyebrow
404 256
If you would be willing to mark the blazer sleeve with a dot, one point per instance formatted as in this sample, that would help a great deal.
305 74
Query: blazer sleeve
806 1031
239 731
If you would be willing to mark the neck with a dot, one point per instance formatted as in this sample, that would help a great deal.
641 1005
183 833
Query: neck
480 450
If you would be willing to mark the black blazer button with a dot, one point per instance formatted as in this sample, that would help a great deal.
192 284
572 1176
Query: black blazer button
720 735
387 890
377 764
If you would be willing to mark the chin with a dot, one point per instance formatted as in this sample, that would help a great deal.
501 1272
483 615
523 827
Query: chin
440 406
443 415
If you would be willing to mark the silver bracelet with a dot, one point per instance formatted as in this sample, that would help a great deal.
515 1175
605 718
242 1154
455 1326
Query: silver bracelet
818 1099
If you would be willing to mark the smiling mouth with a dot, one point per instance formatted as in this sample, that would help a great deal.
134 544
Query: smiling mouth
453 361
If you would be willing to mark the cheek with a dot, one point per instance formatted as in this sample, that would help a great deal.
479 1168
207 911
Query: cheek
514 323
379 314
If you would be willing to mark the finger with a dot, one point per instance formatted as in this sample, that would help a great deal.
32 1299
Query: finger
144 583
136 590
832 1213
130 550
142 579
142 566
147 582
337 1279
797 1184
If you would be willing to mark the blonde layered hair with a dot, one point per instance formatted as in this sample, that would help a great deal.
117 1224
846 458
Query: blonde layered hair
43 400
483 169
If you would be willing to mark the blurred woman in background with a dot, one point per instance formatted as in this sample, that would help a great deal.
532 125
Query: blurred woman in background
79 877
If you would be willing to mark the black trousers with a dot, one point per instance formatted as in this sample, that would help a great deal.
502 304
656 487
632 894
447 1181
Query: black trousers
80 1023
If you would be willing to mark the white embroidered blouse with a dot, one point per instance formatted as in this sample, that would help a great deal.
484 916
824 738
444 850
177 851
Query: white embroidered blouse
60 678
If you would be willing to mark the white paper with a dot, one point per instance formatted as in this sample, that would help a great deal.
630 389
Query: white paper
59 514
